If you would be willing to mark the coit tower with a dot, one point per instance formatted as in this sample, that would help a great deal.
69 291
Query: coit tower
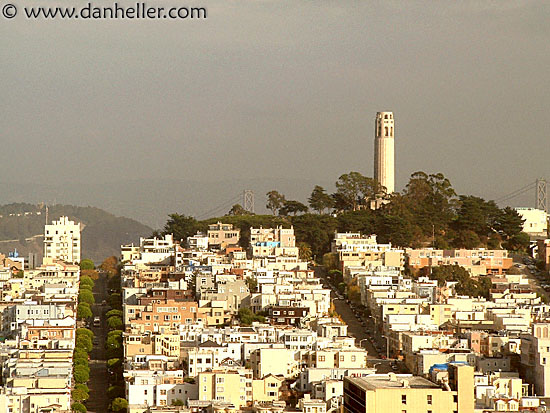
384 156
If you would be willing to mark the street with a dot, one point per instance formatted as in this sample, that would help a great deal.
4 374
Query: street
98 384
362 328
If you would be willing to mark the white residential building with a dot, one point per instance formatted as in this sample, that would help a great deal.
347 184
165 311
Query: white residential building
62 241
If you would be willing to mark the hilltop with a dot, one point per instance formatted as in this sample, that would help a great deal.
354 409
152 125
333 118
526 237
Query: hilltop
22 227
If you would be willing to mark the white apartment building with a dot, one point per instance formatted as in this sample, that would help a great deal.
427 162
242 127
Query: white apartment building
536 221
62 241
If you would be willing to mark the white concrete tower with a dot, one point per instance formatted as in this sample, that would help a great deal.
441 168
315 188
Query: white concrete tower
384 155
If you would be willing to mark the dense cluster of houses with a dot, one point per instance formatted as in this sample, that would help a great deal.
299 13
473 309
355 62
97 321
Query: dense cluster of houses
209 326
504 338
38 324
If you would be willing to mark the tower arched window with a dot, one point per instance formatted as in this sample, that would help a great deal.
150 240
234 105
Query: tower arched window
391 131
386 130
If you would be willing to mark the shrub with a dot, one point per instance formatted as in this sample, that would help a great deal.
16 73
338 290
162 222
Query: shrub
80 353
114 322
112 313
81 393
86 296
78 407
87 264
84 311
119 404
84 332
85 343
81 374
115 392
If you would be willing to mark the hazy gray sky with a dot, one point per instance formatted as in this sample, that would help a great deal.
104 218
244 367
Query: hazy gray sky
280 89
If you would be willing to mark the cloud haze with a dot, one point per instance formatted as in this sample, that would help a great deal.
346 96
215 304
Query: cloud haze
280 90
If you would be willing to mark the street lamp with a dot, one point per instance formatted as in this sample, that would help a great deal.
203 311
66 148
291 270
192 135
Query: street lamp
374 366
363 339
387 346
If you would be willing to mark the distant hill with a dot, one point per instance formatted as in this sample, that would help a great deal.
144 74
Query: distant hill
22 227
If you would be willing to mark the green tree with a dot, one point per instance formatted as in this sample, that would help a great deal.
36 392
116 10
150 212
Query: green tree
87 264
519 242
78 407
467 239
466 285
114 283
119 404
84 342
177 402
292 207
363 221
85 332
19 274
247 317
238 209
275 201
85 280
80 361
81 374
509 223
111 313
115 391
181 226
304 251
476 215
86 296
83 311
330 261
114 322
319 200
80 393
113 364
251 283
115 300
80 354
432 202
315 230
86 287
354 189
113 344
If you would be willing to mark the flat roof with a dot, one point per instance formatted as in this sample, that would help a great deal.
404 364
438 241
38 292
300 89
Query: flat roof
382 381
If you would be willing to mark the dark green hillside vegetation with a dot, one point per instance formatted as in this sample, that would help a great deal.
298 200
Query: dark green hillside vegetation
22 227
428 212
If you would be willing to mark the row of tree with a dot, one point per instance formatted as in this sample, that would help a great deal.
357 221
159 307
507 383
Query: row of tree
83 344
113 342
428 212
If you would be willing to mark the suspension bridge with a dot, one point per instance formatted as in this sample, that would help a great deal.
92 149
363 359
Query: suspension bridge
246 199
540 190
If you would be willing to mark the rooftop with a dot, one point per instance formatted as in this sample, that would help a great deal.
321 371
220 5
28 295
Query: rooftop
391 380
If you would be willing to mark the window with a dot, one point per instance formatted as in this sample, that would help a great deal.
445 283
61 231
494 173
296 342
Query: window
455 398
404 398
429 397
